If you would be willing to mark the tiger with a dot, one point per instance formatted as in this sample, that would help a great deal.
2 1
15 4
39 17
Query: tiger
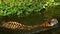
50 23
15 25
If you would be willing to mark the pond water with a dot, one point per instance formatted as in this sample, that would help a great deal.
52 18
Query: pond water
30 20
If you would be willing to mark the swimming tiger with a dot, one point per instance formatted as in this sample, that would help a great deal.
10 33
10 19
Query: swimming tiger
15 25
50 23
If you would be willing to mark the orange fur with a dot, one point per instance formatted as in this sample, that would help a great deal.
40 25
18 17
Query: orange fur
45 24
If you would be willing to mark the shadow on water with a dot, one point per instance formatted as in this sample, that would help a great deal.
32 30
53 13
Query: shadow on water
33 19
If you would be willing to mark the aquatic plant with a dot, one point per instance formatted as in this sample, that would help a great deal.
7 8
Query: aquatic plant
23 7
20 7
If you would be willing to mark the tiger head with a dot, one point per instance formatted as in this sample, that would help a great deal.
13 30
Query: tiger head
54 21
